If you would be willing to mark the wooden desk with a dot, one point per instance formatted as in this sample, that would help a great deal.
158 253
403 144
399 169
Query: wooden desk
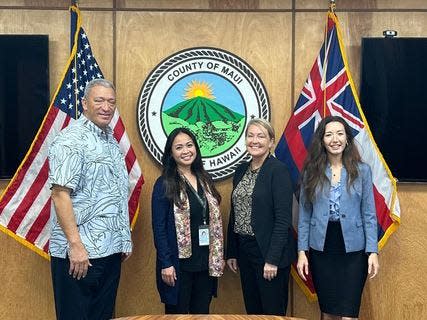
207 317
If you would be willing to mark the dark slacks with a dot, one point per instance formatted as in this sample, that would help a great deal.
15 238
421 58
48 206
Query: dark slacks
261 296
90 298
194 294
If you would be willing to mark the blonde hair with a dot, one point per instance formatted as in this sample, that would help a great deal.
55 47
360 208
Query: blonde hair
262 123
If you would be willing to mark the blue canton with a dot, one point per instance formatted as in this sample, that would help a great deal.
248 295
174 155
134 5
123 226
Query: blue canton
88 160
83 69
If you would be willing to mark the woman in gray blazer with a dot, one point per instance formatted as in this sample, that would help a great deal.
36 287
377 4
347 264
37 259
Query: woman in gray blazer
337 223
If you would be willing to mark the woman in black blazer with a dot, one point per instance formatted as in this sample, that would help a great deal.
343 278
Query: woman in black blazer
260 241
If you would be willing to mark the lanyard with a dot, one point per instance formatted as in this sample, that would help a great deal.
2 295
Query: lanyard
201 200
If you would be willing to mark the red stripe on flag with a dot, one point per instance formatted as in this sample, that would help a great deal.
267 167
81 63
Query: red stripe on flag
130 159
66 122
346 116
119 129
383 212
134 198
17 180
28 200
46 247
296 146
39 223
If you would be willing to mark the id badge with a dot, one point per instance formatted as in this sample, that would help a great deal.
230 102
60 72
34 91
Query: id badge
204 235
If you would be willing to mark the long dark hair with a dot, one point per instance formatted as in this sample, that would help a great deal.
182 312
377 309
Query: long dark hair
313 172
173 181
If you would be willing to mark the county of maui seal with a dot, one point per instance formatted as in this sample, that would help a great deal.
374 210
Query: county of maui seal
210 91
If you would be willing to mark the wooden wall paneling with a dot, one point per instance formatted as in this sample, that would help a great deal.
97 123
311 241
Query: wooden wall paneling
398 292
57 3
25 282
164 4
275 4
35 3
205 4
362 4
96 3
233 4
144 39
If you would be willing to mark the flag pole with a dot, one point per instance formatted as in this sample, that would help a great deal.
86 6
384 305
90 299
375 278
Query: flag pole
332 7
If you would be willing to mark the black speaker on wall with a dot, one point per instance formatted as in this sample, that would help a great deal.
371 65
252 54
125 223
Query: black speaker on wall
24 95
393 95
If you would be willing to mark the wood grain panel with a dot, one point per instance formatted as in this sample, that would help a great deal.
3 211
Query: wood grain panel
148 39
205 4
57 3
233 4
275 4
399 290
25 282
362 4
164 4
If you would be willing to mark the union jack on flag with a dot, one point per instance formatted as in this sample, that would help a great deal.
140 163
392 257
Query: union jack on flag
329 90
25 206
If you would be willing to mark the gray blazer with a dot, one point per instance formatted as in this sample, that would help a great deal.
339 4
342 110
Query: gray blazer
357 215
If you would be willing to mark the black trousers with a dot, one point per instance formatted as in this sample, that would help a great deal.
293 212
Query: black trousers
90 298
194 294
261 296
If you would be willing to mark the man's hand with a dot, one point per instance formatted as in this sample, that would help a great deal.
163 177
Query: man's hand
125 256
79 260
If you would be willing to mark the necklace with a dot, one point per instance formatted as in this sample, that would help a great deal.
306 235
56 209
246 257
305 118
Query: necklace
336 170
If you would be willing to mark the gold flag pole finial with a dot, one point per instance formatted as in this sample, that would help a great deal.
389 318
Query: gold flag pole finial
332 5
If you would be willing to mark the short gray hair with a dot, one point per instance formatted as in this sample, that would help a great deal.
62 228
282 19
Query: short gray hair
97 82
262 123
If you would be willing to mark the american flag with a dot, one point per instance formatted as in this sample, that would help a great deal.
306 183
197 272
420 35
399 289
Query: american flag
329 90
25 206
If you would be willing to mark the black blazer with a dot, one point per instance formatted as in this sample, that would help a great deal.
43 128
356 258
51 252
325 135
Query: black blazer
271 218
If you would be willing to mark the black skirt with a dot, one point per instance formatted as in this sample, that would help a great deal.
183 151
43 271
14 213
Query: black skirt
338 277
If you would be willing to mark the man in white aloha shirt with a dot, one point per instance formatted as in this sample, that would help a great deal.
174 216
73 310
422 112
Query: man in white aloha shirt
90 230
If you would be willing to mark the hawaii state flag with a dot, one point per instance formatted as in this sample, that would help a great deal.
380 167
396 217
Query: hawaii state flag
329 90
25 205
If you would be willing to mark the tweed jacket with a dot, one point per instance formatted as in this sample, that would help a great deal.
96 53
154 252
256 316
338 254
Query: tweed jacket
357 214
